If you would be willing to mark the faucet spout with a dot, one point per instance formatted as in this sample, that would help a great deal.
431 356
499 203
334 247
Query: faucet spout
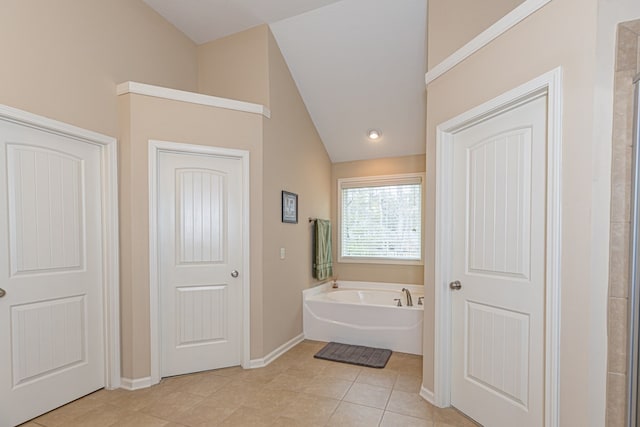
409 299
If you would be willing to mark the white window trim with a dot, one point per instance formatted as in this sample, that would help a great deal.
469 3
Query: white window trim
371 181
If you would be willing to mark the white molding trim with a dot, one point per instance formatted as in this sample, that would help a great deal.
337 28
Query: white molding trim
261 363
155 147
427 395
551 85
111 273
484 38
191 97
137 384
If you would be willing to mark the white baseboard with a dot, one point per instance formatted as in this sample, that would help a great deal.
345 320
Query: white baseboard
428 395
136 384
261 363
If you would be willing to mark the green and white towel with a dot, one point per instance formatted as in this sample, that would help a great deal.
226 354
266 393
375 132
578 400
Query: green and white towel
323 265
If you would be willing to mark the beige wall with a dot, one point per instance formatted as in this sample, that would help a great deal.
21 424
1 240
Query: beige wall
236 66
390 273
536 45
62 59
146 118
295 160
249 66
456 22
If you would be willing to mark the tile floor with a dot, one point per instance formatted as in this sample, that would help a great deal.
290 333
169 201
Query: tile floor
294 390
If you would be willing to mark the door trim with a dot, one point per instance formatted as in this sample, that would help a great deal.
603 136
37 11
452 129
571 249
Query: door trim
155 148
110 257
549 84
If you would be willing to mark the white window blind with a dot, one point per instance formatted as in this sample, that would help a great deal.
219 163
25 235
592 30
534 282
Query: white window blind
381 218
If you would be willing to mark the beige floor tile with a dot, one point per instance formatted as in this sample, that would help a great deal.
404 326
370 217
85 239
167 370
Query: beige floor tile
311 409
310 365
368 395
391 419
53 419
304 373
171 384
404 363
204 414
228 372
233 395
287 381
171 406
451 417
272 401
408 383
104 396
410 404
328 387
103 416
135 400
140 420
67 413
377 377
206 385
352 415
290 422
260 376
342 371
30 424
249 417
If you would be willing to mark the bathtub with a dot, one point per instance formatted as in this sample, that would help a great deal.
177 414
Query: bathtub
364 313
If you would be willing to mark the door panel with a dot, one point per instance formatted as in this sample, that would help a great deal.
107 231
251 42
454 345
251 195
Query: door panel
200 239
499 252
45 200
51 318
499 215
497 347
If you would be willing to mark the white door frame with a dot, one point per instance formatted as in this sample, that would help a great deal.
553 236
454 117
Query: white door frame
551 85
155 148
110 257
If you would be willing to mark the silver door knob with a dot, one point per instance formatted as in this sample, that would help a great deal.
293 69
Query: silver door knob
234 273
455 285
2 292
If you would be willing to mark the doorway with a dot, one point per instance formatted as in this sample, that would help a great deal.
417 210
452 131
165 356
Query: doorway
453 224
199 258
59 336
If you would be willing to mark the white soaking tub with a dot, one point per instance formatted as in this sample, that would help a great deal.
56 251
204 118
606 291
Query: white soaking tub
364 313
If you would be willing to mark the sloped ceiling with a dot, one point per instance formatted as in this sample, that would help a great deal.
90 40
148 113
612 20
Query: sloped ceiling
359 64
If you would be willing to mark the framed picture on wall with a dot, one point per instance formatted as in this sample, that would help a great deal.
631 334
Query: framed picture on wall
289 207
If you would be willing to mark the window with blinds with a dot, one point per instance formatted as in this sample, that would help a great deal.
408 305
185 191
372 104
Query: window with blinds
380 219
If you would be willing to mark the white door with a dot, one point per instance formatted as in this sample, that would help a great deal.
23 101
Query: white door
498 258
51 317
200 255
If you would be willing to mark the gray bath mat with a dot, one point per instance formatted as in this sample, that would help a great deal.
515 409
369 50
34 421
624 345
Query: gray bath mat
355 354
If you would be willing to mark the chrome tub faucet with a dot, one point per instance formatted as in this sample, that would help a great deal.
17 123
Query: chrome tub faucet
409 299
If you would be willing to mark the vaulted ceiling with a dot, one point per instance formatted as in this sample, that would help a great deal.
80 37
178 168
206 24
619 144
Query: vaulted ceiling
358 64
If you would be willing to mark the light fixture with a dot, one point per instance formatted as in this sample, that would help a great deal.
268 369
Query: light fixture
374 134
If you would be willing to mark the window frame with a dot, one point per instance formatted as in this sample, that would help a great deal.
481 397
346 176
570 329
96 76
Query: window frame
373 181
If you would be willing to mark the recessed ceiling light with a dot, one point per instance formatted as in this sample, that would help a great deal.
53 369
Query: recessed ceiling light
374 134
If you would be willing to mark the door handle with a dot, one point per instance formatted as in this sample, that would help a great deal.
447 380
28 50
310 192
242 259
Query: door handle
234 273
2 292
455 285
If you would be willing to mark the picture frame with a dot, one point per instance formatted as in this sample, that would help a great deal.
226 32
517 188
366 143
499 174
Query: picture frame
289 207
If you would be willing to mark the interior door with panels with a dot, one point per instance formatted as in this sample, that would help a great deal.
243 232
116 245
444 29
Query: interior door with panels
52 348
499 267
200 254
